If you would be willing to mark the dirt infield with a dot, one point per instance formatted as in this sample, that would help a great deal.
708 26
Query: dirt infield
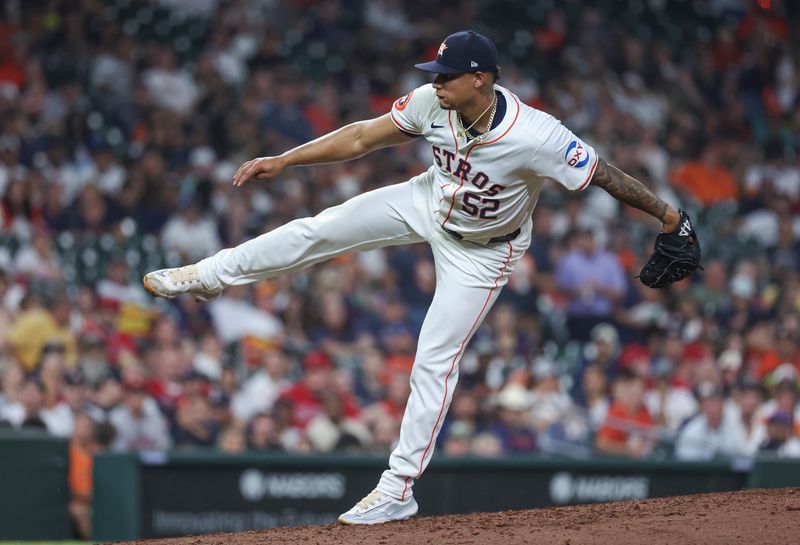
752 517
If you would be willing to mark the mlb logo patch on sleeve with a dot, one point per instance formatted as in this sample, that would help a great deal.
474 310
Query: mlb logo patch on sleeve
577 155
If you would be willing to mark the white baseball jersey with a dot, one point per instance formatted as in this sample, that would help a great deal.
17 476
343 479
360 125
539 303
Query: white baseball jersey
479 190
490 188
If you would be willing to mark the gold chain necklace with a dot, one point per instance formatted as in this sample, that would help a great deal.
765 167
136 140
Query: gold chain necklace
464 132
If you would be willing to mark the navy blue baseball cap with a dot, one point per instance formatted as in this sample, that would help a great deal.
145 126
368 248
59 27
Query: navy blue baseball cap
465 51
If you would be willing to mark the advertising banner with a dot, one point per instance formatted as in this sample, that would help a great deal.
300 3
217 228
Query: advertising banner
186 496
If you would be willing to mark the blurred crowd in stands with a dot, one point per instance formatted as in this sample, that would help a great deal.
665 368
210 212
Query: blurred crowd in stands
123 122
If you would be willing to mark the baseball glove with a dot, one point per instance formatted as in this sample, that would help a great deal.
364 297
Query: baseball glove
675 256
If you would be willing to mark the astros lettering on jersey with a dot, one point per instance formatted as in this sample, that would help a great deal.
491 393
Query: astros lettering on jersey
490 188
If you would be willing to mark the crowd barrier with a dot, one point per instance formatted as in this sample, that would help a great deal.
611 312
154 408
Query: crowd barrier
33 486
163 495
147 495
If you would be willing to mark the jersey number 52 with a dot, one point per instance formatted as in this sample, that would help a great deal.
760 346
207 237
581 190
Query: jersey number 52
478 206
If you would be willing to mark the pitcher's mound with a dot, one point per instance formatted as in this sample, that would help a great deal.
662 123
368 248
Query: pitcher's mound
746 517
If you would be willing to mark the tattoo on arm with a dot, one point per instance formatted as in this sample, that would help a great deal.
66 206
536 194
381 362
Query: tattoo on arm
628 190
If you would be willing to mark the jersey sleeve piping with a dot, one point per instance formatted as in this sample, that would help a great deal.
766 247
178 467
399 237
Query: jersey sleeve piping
410 132
591 173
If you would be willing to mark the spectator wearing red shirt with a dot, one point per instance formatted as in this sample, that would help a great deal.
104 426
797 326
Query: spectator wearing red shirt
306 395
625 429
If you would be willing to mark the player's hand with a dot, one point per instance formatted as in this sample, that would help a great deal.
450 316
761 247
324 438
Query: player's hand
671 222
259 168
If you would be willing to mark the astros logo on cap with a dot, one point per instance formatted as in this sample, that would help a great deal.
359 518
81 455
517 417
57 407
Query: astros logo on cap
464 51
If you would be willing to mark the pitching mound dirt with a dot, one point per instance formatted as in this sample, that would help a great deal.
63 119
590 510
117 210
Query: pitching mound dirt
748 517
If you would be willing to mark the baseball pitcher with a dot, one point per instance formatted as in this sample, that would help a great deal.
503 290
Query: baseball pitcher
491 155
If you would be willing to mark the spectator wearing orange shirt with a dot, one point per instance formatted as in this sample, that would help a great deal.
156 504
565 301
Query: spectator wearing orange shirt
625 429
706 178
88 438
80 473
785 352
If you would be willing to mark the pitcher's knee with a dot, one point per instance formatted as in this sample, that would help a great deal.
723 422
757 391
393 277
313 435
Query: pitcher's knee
434 357
438 368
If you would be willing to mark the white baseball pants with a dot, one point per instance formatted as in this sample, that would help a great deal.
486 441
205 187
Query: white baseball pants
469 277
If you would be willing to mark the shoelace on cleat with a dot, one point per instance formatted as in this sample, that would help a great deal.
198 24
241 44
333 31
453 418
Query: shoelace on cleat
370 499
183 275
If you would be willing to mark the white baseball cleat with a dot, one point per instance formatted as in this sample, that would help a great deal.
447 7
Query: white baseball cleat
377 508
170 283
